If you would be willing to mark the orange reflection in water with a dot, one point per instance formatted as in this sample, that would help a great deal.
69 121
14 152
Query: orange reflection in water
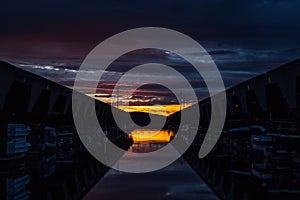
145 135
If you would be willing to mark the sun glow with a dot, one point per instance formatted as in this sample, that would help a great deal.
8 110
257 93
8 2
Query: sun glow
165 110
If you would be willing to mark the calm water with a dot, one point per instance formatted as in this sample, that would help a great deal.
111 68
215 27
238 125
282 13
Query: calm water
177 181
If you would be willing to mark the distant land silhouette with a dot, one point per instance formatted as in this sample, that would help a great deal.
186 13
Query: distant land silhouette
142 118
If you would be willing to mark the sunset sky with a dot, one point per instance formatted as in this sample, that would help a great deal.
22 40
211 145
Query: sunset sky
245 38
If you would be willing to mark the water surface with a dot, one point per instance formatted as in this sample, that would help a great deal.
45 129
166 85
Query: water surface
177 181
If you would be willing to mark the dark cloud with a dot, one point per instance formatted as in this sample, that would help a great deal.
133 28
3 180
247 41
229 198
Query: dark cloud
218 17
245 38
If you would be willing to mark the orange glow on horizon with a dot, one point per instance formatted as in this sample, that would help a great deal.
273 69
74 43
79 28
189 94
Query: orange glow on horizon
164 110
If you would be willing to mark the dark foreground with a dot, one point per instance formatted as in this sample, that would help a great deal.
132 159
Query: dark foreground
177 181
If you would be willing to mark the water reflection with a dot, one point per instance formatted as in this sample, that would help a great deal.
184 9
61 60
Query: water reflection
146 140
177 181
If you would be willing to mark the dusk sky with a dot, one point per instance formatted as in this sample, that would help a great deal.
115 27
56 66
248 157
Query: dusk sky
245 38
